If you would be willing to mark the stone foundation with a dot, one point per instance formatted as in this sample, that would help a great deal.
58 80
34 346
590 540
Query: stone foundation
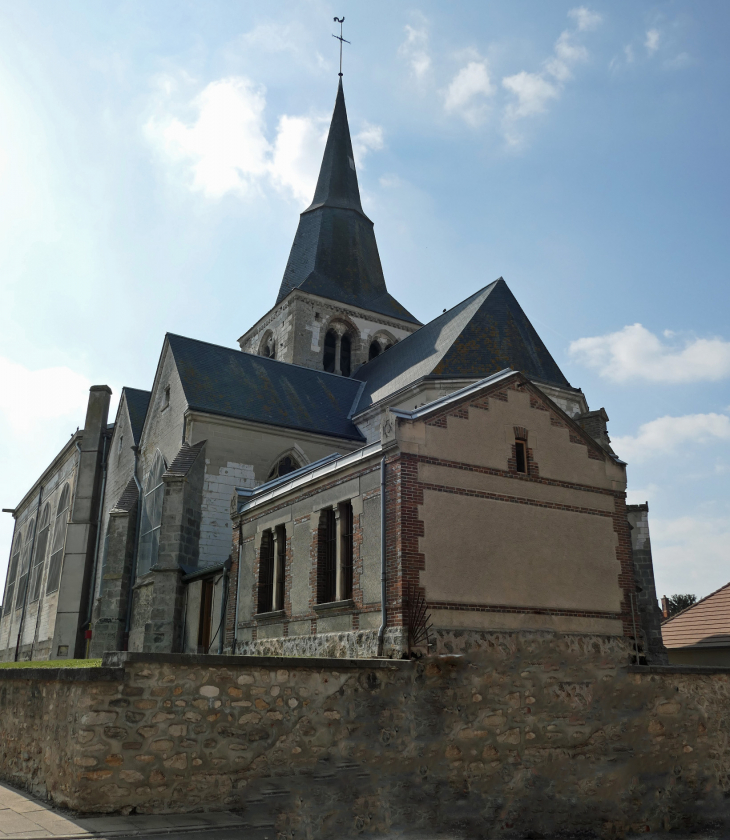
498 734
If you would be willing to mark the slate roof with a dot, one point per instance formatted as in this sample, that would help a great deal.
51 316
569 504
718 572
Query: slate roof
185 459
218 380
137 403
480 336
334 254
704 624
128 499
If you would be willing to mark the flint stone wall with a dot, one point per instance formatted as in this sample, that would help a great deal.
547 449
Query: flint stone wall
496 734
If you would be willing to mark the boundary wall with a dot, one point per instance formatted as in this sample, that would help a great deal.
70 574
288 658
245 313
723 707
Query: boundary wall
496 734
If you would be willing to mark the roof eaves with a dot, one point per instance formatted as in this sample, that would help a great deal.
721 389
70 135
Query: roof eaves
250 499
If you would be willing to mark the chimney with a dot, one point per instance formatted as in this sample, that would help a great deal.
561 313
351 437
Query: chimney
665 606
594 422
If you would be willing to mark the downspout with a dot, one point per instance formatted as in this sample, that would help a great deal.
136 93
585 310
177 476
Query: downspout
238 588
383 580
132 577
30 569
224 599
104 459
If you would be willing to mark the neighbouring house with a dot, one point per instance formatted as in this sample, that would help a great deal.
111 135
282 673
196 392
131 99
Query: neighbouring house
700 635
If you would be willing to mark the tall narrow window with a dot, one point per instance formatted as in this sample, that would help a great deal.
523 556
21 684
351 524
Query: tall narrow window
24 568
345 355
266 573
12 573
521 455
280 567
39 555
327 578
346 524
330 347
374 350
59 540
154 495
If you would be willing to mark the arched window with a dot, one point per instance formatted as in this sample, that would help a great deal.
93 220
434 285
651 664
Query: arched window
268 346
39 555
374 350
149 537
345 355
283 466
330 345
12 573
24 567
59 540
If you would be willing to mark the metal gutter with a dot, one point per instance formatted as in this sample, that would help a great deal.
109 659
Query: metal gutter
250 499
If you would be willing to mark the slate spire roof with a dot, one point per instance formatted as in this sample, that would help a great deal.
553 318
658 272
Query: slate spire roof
486 333
334 254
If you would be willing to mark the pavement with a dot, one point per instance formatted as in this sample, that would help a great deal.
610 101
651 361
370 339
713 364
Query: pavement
24 816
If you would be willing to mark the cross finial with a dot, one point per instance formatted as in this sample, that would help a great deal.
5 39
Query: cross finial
340 39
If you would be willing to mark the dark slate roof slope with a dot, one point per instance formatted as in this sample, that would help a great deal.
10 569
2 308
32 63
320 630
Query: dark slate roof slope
486 333
137 404
218 380
334 254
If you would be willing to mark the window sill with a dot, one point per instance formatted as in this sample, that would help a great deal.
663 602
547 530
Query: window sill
347 604
274 615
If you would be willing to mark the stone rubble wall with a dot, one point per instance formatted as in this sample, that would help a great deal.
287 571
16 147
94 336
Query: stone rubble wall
494 734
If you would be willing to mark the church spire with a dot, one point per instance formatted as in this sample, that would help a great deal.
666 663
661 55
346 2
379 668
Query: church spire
334 254
337 183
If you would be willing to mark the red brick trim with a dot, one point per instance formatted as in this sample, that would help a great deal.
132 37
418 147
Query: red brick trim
504 608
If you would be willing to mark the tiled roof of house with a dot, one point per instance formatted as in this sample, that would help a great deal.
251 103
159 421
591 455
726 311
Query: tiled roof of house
218 380
486 333
137 404
704 624
334 254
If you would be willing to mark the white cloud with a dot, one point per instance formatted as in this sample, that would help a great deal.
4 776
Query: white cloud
467 92
30 400
690 553
652 41
585 19
666 434
221 146
636 353
415 49
533 91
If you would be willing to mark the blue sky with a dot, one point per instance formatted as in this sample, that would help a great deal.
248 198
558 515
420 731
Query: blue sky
154 158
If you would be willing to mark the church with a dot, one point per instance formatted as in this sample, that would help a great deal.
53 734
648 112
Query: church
349 482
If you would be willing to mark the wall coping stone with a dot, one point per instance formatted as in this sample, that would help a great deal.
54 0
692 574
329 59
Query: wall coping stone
113 673
118 659
678 669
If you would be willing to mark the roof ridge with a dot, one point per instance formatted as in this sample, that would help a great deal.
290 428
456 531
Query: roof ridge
696 604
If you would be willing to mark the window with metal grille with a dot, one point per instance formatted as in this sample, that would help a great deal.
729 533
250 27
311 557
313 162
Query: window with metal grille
12 572
521 456
327 578
59 540
39 555
346 524
266 573
154 495
281 564
24 566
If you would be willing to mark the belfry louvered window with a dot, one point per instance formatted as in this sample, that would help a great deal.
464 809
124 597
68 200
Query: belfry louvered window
12 573
39 554
59 540
24 568
266 574
154 495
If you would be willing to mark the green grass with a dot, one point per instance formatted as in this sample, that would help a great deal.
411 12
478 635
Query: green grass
54 663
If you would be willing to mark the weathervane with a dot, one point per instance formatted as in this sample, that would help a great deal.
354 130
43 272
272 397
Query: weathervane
340 39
